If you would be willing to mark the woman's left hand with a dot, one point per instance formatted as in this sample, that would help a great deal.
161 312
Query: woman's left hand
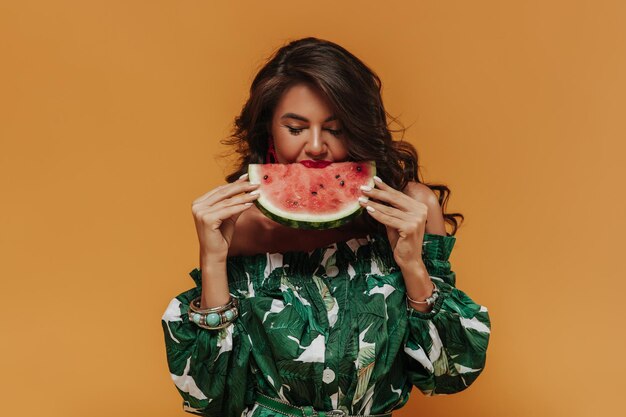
405 220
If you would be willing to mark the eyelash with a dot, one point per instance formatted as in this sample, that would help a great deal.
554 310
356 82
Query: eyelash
294 131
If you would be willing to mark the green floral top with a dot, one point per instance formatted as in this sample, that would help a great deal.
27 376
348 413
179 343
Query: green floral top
328 328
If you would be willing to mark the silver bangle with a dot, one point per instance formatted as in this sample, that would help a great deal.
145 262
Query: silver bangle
213 318
430 300
195 306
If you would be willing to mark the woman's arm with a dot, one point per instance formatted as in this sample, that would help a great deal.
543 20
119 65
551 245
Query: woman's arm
214 283
416 277
208 367
447 342
446 347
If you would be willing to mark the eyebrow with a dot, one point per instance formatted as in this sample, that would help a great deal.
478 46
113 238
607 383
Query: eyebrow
304 119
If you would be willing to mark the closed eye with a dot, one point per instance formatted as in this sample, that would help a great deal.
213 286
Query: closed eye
335 132
294 131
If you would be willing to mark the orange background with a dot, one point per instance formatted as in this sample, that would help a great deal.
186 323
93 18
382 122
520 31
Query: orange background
111 116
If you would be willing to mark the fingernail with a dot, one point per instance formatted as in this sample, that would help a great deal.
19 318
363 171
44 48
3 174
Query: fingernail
247 204
377 179
366 188
244 176
370 209
363 199
255 192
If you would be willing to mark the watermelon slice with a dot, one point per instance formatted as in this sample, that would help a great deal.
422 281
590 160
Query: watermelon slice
311 196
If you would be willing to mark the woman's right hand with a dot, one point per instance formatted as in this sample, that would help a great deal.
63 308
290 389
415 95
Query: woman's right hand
215 214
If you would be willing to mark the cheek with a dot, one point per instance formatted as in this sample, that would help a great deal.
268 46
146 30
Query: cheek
340 152
287 152
286 147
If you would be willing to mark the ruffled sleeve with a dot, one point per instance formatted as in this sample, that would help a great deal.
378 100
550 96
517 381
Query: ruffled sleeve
446 347
208 367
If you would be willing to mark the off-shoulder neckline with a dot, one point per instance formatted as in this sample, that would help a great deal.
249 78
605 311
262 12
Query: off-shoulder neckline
354 243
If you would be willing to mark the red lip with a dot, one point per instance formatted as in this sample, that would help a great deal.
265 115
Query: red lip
315 164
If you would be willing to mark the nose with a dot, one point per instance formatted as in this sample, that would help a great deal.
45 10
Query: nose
316 145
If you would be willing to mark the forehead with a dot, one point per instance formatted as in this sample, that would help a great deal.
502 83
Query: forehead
306 101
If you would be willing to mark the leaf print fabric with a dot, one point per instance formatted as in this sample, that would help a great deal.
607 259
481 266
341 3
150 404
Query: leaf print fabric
329 329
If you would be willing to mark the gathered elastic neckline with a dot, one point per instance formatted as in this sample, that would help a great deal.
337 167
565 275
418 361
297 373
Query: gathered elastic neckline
375 247
302 265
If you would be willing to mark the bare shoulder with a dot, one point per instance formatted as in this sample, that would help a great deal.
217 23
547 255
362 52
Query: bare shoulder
435 223
422 193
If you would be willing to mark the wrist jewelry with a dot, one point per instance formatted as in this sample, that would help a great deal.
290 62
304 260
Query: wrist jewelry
213 318
430 300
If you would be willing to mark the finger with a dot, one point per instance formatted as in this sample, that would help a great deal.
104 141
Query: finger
388 210
209 193
226 191
215 218
238 199
241 179
385 219
378 182
389 195
229 211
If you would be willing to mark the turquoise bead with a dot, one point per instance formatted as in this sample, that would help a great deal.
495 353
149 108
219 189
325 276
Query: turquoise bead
229 314
212 319
196 318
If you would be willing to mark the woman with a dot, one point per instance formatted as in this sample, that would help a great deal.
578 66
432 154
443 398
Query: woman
336 322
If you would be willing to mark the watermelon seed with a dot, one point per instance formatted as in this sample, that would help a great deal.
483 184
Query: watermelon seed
264 177
321 185
314 192
337 176
358 168
341 183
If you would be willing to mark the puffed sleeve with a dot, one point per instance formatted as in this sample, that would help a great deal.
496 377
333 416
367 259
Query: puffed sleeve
208 367
446 347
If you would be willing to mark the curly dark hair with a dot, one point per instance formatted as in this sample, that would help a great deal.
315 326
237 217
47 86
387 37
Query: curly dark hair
354 92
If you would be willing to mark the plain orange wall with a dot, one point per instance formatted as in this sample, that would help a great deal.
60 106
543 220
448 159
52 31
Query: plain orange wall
111 113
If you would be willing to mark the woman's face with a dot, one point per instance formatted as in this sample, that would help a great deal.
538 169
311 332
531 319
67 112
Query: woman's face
304 128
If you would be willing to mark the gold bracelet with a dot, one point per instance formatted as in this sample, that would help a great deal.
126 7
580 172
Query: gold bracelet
430 300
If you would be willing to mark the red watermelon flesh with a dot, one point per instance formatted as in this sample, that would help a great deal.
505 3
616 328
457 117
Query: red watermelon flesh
311 197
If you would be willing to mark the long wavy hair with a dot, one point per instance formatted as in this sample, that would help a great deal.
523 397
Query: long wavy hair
354 92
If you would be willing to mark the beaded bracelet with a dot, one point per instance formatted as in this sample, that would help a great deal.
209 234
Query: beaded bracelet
214 318
430 300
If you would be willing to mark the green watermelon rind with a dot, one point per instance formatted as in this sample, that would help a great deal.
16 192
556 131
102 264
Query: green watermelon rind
312 225
324 222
